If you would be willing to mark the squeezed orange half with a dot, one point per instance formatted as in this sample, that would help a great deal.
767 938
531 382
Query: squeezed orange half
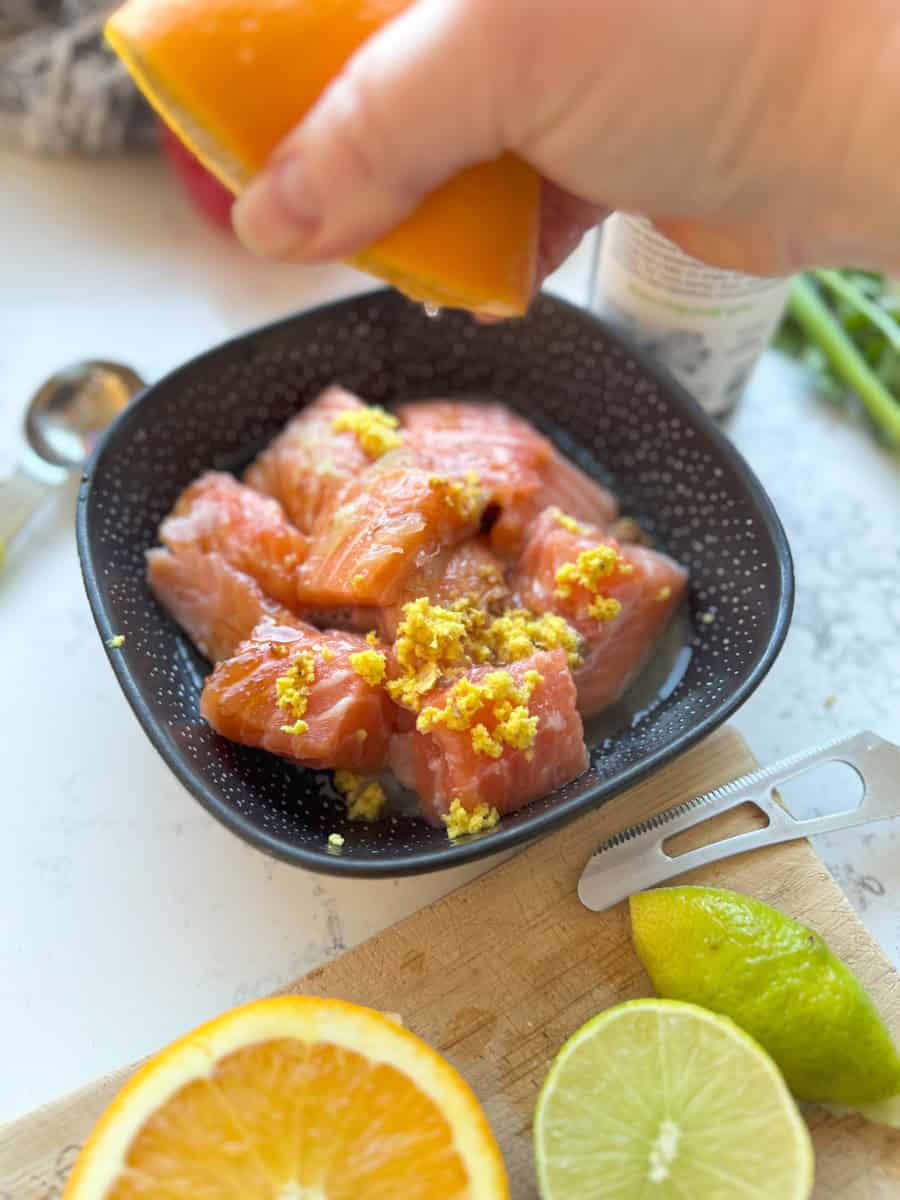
233 77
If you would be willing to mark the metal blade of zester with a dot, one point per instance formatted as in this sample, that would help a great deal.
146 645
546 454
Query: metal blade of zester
635 858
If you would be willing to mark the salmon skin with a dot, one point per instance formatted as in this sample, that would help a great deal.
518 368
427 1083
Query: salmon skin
383 527
442 764
215 604
250 531
349 722
520 469
308 463
614 649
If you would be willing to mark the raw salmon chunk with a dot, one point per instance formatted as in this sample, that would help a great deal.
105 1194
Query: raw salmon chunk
308 463
520 469
323 714
443 765
468 570
250 531
385 525
357 618
573 491
215 604
619 618
474 593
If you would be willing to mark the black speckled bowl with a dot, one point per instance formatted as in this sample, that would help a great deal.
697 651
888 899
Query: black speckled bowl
559 367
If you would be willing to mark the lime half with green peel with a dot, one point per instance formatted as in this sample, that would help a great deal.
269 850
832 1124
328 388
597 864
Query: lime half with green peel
777 980
658 1100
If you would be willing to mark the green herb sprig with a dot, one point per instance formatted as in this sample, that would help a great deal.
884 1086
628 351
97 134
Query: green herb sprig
845 326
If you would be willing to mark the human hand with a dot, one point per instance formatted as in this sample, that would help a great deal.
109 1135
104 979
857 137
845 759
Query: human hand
756 134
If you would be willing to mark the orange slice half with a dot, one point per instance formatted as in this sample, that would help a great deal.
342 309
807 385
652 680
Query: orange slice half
232 78
293 1098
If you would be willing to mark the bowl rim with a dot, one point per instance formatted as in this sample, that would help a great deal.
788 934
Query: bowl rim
503 837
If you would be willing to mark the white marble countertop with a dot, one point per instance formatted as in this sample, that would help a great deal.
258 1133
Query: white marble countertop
129 914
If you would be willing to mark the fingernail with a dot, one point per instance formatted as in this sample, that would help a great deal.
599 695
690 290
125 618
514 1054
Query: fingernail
277 215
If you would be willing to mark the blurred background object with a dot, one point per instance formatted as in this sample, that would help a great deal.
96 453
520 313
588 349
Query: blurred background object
61 90
64 91
709 327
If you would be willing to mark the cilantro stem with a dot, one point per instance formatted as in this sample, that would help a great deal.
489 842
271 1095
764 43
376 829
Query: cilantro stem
842 287
810 311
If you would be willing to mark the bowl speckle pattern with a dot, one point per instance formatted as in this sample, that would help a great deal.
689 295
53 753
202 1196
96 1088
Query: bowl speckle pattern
562 370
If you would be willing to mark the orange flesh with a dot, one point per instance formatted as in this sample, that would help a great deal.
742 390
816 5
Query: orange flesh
279 1119
233 77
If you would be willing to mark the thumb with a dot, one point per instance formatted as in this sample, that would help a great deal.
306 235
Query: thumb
413 106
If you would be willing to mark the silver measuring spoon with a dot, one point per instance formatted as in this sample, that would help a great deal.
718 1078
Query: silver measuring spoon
63 421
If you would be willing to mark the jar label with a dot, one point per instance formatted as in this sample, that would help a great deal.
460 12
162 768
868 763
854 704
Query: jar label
708 327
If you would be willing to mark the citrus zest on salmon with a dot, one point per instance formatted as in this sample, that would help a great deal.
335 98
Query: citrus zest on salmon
569 523
647 594
465 495
370 666
588 571
518 633
431 640
292 690
497 696
605 608
460 821
375 429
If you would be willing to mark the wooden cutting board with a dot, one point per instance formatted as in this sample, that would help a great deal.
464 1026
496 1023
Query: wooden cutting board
498 974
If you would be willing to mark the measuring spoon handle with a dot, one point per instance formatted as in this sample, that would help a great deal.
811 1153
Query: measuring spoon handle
21 495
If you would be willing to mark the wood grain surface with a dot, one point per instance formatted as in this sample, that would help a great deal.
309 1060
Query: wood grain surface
499 973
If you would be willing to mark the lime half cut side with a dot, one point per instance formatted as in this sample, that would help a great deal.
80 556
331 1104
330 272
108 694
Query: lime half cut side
661 1100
